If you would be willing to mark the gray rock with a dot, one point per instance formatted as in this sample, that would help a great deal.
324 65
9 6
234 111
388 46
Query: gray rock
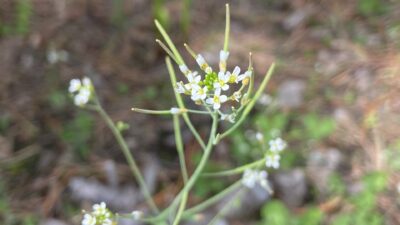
321 164
290 93
119 198
291 186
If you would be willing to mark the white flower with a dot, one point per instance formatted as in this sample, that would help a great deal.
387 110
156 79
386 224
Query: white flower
87 83
100 209
223 57
82 97
137 215
272 161
277 145
245 77
183 68
88 220
217 99
234 76
199 93
222 81
180 88
175 110
81 90
203 64
252 177
193 79
74 85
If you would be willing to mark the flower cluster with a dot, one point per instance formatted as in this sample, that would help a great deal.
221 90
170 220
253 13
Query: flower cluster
212 89
100 215
272 158
252 177
81 90
275 147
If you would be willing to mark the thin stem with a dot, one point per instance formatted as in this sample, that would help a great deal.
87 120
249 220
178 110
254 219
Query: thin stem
191 52
166 112
181 208
170 44
227 206
227 27
166 49
196 174
180 103
251 103
179 147
236 170
128 155
214 199
198 112
149 111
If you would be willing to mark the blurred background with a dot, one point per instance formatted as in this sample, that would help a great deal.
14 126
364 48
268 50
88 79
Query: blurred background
334 97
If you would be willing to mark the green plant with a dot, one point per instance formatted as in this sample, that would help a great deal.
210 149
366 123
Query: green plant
372 7
276 213
364 203
117 16
78 132
22 19
209 90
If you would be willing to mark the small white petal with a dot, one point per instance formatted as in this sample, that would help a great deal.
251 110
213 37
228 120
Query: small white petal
86 82
225 87
200 60
74 85
236 71
223 98
217 92
217 105
223 56
183 68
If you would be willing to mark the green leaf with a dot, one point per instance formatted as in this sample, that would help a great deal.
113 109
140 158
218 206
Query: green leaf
318 127
342 219
375 182
275 213
313 216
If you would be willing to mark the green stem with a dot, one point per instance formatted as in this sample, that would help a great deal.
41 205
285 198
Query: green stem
179 147
211 201
170 44
227 27
196 174
149 111
251 103
236 170
180 103
181 208
128 155
226 207
166 112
